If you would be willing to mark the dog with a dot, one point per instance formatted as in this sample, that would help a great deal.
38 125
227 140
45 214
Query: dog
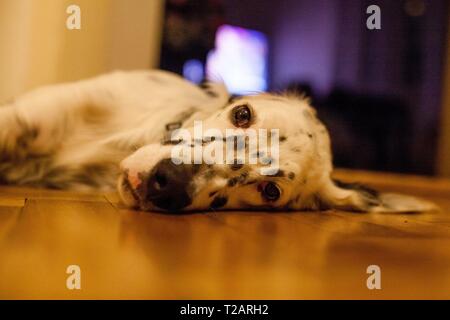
120 129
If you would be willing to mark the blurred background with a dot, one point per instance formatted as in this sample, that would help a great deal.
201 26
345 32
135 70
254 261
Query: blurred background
384 94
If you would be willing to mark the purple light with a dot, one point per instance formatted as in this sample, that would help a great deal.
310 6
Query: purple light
239 60
193 70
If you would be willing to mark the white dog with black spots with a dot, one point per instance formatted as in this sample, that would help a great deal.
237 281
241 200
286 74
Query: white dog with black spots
112 131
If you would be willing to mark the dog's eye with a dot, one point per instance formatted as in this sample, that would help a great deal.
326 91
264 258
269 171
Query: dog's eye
241 116
270 191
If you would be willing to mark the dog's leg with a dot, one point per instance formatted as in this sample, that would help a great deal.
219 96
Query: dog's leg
35 126
10 131
37 122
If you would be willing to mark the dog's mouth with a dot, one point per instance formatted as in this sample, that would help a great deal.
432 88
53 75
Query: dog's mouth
126 192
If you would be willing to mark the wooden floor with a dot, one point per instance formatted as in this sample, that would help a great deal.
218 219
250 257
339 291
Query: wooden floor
233 255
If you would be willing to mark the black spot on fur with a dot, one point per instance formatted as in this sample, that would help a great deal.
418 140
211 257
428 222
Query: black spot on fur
233 98
283 138
369 195
212 194
29 171
206 87
209 139
209 174
237 180
279 174
166 142
27 137
291 175
357 187
236 166
218 202
173 125
318 204
232 182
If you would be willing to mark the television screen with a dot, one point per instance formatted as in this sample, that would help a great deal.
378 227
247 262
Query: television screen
239 59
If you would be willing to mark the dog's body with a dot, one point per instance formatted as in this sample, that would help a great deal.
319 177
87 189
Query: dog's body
85 135
73 136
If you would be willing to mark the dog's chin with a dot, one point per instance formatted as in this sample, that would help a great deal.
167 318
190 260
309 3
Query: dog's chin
126 194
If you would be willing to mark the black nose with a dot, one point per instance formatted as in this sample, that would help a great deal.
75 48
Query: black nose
167 186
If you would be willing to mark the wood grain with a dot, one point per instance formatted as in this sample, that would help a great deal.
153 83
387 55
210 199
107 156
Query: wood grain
222 255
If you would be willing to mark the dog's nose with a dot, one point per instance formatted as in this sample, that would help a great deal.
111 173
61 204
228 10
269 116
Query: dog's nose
167 185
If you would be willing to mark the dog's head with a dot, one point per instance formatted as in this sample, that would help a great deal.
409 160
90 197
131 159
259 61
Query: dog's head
265 152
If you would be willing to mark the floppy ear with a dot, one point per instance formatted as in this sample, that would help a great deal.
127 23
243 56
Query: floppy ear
360 198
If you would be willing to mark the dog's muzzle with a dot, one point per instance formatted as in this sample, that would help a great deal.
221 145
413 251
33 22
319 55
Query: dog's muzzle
166 187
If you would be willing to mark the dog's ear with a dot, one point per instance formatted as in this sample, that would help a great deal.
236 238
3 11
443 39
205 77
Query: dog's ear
360 198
